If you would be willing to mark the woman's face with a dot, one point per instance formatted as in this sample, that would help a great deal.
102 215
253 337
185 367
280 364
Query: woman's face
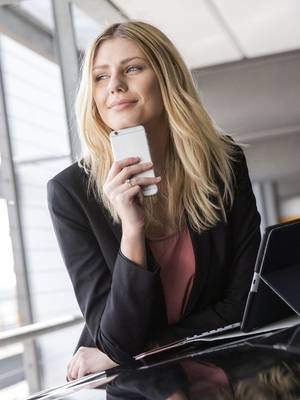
125 87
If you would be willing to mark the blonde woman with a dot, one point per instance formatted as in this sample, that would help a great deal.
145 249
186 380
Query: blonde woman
146 270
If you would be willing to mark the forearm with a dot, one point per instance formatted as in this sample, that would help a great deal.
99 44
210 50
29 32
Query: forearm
130 308
114 299
133 247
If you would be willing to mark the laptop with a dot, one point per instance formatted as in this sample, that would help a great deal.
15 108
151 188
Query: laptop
274 298
275 289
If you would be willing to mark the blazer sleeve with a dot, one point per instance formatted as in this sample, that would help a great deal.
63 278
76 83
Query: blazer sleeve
244 232
117 307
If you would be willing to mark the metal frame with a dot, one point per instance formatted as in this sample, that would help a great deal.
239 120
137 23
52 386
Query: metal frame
270 199
270 58
10 191
252 137
267 199
1 183
257 190
6 2
27 30
42 160
39 328
69 64
102 10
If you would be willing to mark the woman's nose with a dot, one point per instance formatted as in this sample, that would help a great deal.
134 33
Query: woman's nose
117 83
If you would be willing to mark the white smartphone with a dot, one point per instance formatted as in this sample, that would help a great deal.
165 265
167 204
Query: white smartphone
132 142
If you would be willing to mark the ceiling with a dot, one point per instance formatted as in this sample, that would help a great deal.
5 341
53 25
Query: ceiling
206 32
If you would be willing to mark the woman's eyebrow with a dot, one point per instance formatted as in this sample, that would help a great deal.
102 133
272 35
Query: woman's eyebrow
121 62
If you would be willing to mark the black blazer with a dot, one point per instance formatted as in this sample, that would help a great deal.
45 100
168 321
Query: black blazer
123 304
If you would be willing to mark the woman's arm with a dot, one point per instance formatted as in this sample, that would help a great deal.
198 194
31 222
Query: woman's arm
133 247
118 307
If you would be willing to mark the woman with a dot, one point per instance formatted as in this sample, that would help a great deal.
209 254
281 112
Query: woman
151 269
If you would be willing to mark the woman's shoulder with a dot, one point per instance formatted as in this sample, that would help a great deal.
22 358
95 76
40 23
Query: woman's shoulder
72 180
71 177
71 174
239 160
70 201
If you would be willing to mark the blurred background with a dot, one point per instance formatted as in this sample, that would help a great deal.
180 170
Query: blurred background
245 60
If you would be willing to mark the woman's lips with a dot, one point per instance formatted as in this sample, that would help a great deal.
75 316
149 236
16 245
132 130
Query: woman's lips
121 106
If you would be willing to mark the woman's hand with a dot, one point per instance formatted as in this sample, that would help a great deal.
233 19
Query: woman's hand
128 199
88 360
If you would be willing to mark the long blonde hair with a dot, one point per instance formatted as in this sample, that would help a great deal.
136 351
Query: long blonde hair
199 158
281 381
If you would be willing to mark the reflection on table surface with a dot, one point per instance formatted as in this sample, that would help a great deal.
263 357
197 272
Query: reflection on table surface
264 367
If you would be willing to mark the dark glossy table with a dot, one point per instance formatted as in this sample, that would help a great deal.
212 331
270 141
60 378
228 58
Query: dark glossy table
262 367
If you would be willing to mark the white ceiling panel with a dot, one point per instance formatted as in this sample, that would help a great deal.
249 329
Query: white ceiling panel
206 32
263 27
190 25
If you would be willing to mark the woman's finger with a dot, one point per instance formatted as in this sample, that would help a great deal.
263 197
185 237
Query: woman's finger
117 166
141 197
132 170
142 181
82 371
135 181
70 368
128 195
71 374
75 369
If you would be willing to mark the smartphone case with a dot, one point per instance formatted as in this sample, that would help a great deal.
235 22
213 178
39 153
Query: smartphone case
132 142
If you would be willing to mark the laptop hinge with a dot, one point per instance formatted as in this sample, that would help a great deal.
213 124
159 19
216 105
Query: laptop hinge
255 282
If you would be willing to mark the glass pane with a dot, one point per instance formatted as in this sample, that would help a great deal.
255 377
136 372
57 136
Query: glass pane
40 149
35 104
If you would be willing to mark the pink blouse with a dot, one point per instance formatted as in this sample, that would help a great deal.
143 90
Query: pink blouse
204 376
175 256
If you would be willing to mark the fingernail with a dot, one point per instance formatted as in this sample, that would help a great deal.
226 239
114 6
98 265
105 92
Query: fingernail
158 178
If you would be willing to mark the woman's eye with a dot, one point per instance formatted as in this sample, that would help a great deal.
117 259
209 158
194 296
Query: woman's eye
100 77
133 68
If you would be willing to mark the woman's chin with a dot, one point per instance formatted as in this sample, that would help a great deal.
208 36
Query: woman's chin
125 124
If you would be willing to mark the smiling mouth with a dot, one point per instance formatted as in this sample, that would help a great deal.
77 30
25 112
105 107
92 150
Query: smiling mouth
126 104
